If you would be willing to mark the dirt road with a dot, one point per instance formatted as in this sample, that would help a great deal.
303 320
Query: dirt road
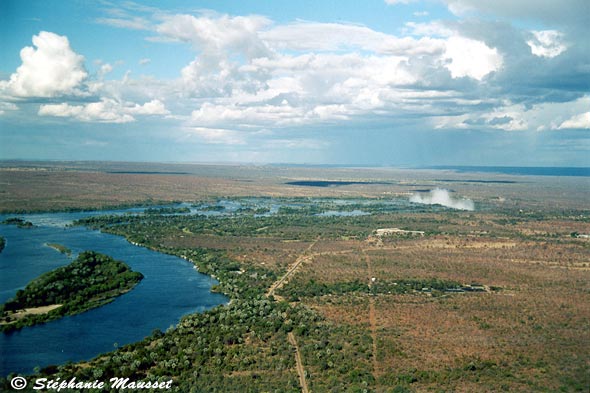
299 363
302 258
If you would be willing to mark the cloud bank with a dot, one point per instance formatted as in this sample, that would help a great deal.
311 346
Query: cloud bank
440 196
511 75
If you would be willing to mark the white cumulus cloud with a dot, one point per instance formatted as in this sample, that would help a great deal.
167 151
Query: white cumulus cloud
214 35
107 110
105 69
51 70
581 121
316 36
547 43
7 106
153 107
252 73
249 72
471 58
218 136
211 114
510 116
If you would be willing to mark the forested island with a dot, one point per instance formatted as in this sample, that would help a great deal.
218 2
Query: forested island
2 243
19 222
167 210
91 281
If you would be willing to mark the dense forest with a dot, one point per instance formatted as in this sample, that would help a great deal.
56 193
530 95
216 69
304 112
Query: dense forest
92 280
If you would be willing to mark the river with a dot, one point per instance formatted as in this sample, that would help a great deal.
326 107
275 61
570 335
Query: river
171 288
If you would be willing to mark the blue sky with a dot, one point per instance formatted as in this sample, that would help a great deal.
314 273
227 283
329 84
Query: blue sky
383 82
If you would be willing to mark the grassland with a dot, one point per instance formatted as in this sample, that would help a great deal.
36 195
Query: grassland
367 313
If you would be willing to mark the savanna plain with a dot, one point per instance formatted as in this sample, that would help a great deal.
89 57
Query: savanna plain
338 282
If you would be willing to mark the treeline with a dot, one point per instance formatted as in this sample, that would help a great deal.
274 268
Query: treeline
90 281
146 229
72 209
240 347
253 210
19 222
167 210
235 281
298 288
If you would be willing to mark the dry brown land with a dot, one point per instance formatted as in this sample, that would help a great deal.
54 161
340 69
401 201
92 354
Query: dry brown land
531 334
534 328
37 186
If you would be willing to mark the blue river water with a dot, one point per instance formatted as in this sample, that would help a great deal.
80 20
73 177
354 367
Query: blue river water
171 288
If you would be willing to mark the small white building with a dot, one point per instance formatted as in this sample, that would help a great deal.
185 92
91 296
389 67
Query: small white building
395 231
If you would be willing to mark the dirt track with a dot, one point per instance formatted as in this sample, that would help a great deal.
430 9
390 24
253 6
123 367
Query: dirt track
277 284
300 370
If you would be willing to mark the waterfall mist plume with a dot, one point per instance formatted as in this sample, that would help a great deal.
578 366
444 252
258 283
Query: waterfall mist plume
440 196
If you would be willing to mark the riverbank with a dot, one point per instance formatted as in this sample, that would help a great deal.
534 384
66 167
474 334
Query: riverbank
20 314
171 288
91 281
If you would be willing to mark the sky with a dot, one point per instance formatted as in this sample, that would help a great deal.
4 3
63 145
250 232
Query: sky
403 83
